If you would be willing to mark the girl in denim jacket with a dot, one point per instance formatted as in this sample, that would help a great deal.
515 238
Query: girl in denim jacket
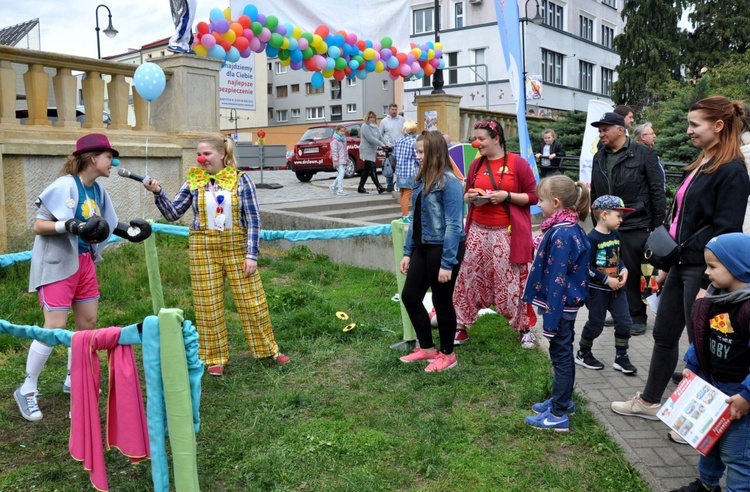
433 251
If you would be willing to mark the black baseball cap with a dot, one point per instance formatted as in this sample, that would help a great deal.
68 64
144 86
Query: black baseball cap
610 119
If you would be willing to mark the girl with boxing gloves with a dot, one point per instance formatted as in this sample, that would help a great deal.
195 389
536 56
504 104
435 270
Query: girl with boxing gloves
223 244
72 227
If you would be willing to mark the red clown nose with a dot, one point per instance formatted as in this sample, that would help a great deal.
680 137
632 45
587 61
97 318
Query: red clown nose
475 144
202 159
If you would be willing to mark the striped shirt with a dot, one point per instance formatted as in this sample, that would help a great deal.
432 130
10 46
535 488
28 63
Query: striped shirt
405 151
248 204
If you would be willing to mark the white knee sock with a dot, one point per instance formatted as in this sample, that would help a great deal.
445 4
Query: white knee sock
70 359
38 355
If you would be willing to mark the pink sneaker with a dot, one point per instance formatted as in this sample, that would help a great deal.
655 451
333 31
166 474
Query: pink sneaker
281 358
216 370
461 337
442 363
417 355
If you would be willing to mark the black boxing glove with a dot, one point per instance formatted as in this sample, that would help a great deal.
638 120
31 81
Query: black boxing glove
138 231
95 230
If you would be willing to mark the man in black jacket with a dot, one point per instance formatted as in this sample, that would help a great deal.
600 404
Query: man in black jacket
630 170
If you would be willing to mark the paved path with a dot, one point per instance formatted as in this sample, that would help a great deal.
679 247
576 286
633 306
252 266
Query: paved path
663 464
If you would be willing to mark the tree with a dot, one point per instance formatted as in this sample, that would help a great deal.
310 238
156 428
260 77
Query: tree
721 29
650 49
569 129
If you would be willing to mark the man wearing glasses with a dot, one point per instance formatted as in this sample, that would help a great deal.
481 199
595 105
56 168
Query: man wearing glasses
630 170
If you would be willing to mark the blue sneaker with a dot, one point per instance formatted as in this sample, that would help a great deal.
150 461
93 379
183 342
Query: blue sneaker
28 405
547 421
66 388
546 405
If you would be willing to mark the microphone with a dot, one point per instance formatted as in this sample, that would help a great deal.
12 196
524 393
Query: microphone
127 174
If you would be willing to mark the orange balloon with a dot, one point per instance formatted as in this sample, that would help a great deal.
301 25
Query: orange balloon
428 69
237 28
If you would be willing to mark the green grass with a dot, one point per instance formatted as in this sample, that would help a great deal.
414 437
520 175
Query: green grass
344 415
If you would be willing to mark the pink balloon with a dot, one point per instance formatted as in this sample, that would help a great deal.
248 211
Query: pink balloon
208 41
415 67
434 62
351 38
247 33
265 35
405 70
255 45
376 45
320 62
302 44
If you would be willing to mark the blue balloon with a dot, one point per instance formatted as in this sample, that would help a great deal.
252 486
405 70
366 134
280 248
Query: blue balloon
370 65
339 39
420 74
361 74
233 55
353 64
250 11
149 80
330 63
317 80
293 44
368 43
334 51
392 62
271 51
296 56
217 52
216 15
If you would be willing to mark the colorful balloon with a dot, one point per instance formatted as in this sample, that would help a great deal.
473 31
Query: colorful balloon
317 80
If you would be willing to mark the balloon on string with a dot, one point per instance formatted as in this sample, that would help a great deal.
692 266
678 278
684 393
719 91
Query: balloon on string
317 80
217 52
149 80
251 11
215 15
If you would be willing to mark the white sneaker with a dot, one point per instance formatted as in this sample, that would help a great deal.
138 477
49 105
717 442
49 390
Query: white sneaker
341 193
636 407
528 340
333 189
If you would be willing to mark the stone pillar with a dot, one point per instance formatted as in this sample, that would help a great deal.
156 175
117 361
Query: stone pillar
7 94
93 100
141 109
3 221
36 83
190 102
117 91
64 84
445 108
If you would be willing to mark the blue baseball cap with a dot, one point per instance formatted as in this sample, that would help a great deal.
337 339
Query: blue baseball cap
610 202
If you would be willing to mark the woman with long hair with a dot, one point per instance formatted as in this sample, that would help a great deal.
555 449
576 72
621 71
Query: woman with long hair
368 151
432 251
223 245
710 201
500 189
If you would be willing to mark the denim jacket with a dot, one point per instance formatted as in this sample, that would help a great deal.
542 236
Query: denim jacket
442 216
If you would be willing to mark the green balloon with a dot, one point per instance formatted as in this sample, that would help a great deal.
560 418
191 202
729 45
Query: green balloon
386 42
276 40
340 63
272 22
256 27
283 54
307 36
307 53
359 59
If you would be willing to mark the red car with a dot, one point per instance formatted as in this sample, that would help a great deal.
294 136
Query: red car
312 153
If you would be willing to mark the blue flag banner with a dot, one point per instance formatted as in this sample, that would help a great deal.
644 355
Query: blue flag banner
508 22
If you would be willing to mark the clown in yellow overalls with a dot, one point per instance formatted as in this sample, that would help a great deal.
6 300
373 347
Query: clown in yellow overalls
223 244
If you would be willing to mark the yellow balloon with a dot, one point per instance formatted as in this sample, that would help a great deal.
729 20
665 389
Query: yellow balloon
228 13
430 54
322 48
297 32
416 52
285 62
200 50
285 44
438 45
328 74
229 36
316 40
379 67
368 54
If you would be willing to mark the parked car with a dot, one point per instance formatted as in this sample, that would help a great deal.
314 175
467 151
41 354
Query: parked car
312 154
23 115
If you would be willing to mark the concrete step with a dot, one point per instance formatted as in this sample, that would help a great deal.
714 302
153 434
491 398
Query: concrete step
366 209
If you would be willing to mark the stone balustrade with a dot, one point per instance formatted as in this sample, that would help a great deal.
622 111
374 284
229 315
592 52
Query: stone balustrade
160 143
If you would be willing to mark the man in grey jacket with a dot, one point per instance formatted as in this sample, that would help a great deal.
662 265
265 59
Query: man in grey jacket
390 128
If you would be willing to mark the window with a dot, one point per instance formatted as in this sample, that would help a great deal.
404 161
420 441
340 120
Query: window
610 3
336 112
270 113
295 113
270 89
295 87
384 85
316 113
281 91
351 108
451 60
458 15
309 89
585 76
281 116
586 30
270 66
424 20
335 89
280 68
553 14
608 36
351 82
607 79
385 110
478 60
427 81
552 67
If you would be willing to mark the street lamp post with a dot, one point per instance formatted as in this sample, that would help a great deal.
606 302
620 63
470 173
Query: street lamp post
538 20
110 31
437 77
233 118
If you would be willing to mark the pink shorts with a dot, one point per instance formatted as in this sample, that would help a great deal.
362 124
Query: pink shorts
82 286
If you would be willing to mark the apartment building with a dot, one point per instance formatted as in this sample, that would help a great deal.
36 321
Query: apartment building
571 51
